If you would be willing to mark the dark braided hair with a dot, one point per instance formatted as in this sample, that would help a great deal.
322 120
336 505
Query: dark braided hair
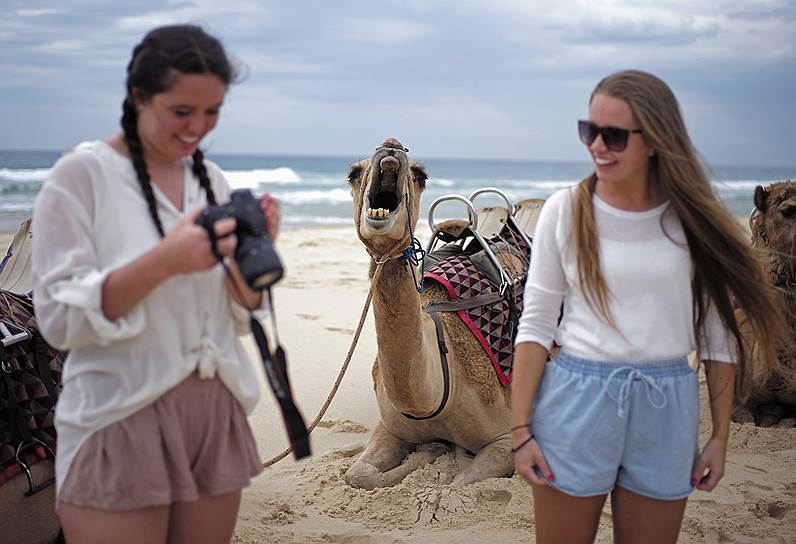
162 54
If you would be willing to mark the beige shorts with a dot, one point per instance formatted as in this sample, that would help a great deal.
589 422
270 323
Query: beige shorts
194 439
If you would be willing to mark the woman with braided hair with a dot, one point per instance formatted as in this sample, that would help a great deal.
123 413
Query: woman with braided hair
153 441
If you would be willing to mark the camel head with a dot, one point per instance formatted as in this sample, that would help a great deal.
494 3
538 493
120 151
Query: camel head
386 189
773 223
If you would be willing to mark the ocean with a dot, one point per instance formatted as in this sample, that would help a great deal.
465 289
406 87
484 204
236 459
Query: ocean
314 191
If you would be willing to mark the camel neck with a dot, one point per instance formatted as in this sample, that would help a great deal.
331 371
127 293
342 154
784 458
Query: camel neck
399 334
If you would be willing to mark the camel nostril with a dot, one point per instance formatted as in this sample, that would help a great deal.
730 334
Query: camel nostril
390 164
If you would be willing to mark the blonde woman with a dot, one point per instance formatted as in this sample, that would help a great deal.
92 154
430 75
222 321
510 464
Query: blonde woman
646 263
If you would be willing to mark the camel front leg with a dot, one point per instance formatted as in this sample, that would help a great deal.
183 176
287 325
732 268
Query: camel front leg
381 464
494 460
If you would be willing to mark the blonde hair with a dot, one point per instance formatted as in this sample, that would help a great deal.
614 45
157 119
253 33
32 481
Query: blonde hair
726 271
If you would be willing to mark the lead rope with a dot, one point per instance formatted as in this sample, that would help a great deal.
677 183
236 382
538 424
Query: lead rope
343 369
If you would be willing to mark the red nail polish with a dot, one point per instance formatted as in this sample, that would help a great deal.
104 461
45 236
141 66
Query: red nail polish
693 481
550 478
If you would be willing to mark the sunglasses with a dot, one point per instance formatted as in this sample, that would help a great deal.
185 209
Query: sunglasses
614 138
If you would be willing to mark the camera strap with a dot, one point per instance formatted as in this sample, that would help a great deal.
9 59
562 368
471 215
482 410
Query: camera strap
275 367
276 373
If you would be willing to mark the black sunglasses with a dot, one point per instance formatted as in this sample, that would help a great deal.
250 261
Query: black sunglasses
614 138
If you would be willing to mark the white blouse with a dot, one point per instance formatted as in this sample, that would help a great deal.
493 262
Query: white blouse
647 268
90 218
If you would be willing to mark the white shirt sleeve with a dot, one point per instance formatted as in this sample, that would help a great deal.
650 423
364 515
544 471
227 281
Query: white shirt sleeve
67 280
716 343
546 283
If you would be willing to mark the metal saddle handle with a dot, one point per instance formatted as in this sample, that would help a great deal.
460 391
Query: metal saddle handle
505 281
473 217
33 488
509 204
7 338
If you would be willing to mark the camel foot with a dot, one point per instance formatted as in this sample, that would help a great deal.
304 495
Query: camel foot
742 414
387 460
769 414
494 460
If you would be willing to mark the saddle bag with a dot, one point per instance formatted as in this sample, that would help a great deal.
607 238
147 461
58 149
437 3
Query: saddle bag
30 381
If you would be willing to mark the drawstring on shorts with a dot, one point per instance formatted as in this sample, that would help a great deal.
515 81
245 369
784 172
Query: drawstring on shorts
624 391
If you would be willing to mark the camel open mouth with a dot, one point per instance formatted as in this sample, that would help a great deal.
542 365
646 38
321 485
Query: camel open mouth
384 197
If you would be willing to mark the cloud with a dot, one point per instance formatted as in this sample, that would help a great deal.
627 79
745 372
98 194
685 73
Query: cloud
230 13
453 77
380 30
36 12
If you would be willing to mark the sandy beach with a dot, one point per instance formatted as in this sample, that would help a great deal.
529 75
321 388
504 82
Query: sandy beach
318 306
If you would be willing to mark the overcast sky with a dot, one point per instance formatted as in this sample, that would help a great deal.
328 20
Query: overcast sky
460 78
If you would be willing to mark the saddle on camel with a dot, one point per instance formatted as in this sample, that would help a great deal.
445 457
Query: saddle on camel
30 380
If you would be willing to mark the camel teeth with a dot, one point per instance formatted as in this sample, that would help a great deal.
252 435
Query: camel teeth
378 213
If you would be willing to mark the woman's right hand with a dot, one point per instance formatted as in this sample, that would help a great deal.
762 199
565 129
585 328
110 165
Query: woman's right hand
186 247
529 462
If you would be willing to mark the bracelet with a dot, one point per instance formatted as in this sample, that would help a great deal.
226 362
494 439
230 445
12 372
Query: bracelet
523 426
518 448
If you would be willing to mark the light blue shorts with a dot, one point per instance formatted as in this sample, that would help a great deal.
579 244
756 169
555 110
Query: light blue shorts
600 424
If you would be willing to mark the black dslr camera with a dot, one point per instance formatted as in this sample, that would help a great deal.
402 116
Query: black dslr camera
257 261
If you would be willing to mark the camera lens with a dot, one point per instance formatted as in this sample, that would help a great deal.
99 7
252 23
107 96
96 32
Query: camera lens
258 262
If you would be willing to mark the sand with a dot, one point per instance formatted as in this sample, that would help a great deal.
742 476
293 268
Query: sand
317 308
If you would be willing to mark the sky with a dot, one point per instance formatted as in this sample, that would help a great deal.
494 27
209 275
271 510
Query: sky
459 79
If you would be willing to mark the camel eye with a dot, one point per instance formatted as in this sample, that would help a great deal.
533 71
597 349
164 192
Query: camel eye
788 208
354 173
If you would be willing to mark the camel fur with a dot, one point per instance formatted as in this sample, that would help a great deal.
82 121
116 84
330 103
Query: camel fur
407 375
769 392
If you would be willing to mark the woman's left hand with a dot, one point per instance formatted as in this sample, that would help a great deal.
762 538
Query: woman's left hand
710 467
271 210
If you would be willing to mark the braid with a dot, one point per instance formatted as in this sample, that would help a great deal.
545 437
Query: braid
200 171
164 54
133 141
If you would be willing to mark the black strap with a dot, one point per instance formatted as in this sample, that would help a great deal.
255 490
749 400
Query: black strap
464 303
443 349
276 373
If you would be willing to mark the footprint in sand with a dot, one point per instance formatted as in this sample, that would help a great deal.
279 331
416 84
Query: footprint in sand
309 317
778 509
342 426
363 539
344 330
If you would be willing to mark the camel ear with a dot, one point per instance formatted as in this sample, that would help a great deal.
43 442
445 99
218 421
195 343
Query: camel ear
420 174
354 172
761 198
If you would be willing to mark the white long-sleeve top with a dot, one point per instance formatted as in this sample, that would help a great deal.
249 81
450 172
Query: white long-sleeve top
90 218
647 268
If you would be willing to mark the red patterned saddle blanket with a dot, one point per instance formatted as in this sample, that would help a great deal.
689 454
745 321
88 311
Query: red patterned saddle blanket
475 297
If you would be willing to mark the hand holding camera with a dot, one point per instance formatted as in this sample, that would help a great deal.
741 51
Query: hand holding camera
254 253
185 247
